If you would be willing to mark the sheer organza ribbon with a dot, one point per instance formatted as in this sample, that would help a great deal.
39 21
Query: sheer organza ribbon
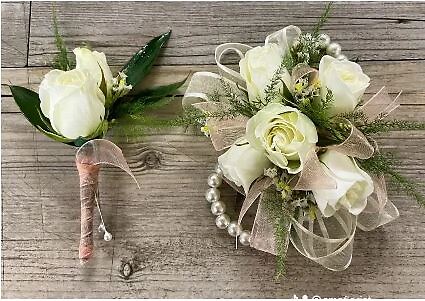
90 156
327 241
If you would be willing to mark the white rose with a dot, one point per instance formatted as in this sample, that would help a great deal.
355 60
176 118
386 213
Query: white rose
353 185
346 80
72 101
284 134
242 164
258 67
96 65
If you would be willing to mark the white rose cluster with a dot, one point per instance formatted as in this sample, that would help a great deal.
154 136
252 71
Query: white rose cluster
280 135
74 101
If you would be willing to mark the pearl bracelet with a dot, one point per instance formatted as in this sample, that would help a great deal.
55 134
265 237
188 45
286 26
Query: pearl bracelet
218 208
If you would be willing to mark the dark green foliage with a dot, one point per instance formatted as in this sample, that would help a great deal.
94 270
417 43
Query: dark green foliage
145 100
29 104
383 164
141 63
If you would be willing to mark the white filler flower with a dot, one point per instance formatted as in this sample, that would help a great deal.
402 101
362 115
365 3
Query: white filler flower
353 185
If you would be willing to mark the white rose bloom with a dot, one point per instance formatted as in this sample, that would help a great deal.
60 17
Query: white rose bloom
96 65
353 185
284 134
72 101
242 164
258 67
346 80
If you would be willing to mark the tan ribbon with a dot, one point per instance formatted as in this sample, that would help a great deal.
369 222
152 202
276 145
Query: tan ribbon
327 241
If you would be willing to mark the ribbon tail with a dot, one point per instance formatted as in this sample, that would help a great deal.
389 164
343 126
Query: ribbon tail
263 236
379 209
380 105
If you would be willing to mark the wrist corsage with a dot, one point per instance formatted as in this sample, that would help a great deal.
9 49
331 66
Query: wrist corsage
296 138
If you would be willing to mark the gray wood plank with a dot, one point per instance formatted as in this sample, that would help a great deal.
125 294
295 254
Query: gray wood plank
14 33
376 31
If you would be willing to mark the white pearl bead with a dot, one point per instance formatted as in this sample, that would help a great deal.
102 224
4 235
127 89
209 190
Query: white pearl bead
218 170
218 208
222 221
333 49
342 57
107 236
214 180
234 229
212 195
245 238
324 40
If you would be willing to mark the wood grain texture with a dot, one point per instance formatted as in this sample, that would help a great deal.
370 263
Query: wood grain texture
165 231
14 33
372 31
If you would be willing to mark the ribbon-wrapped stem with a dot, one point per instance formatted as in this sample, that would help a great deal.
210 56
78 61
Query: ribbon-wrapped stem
89 158
89 175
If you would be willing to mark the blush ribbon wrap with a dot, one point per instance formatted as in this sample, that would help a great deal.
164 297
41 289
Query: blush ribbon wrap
90 156
327 241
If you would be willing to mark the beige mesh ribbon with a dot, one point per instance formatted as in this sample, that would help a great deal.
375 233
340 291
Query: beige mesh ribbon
88 159
327 241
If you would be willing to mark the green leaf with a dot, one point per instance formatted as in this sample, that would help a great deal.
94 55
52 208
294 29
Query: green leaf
148 99
141 63
29 104
162 91
286 93
55 136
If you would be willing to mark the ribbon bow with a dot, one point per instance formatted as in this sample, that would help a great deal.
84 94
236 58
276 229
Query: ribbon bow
327 241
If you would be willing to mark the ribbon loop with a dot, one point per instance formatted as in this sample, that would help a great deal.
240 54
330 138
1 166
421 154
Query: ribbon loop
329 241
240 49
356 145
102 151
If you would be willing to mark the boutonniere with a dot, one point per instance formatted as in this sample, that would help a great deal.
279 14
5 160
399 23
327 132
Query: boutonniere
78 104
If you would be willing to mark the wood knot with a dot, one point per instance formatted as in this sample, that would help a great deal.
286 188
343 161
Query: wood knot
126 269
152 159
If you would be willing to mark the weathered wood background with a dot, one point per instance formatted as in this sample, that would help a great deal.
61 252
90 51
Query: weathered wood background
165 230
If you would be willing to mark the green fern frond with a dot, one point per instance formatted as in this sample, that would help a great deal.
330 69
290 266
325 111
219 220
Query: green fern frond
383 164
383 126
323 18
61 60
